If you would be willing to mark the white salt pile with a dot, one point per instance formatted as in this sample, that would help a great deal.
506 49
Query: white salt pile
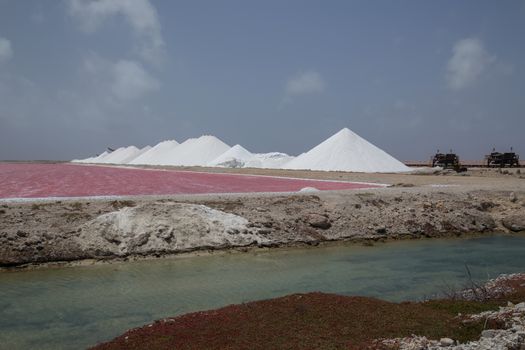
347 151
86 160
272 160
94 159
344 151
194 152
100 157
153 154
308 189
135 155
235 157
120 155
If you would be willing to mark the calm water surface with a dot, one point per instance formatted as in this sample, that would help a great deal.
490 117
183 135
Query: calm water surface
72 308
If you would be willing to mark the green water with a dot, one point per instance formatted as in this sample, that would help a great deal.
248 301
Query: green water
72 308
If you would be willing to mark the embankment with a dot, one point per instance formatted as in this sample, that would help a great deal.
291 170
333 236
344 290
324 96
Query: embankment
69 230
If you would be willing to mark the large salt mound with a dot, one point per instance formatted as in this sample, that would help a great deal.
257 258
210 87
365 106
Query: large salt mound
135 155
347 151
272 160
154 154
120 155
235 157
99 157
193 151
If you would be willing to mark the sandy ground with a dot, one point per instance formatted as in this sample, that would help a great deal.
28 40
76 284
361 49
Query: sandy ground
474 176
416 206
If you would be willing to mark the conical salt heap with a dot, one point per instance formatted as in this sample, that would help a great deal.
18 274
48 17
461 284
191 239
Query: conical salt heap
152 155
195 151
235 157
347 151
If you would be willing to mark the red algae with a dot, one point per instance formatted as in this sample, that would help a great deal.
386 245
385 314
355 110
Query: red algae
30 180
319 321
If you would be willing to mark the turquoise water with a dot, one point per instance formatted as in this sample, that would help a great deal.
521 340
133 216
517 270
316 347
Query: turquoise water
72 308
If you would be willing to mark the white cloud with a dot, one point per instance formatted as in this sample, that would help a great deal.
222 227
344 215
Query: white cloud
305 83
140 14
6 52
469 61
124 80
131 80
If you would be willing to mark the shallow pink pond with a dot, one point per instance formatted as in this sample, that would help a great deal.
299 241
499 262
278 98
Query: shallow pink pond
34 180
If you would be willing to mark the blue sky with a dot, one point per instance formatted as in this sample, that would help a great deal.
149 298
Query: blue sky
77 76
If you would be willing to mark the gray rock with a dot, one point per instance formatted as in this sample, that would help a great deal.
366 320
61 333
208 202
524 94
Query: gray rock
48 235
489 333
233 231
520 307
484 206
514 223
264 231
20 233
139 240
381 230
446 342
318 221
111 236
165 233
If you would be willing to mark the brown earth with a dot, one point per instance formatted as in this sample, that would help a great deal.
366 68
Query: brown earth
482 201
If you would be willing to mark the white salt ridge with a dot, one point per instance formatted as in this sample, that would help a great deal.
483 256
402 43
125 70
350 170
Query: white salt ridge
235 157
86 160
135 155
272 160
100 157
194 152
153 154
347 151
120 155
94 159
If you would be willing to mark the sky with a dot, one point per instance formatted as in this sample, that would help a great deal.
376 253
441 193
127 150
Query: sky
77 76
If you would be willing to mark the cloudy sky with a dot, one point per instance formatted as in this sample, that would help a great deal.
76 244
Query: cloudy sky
77 76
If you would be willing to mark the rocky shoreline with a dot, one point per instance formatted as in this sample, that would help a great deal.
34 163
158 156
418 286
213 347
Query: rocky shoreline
511 318
511 337
104 229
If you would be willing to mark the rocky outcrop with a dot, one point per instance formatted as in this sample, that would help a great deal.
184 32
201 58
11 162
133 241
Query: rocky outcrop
510 338
318 221
510 318
163 227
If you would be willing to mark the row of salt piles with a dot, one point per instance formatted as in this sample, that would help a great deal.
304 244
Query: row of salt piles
344 151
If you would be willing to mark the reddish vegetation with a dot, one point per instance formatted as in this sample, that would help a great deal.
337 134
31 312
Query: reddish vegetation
315 321
68 180
300 321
